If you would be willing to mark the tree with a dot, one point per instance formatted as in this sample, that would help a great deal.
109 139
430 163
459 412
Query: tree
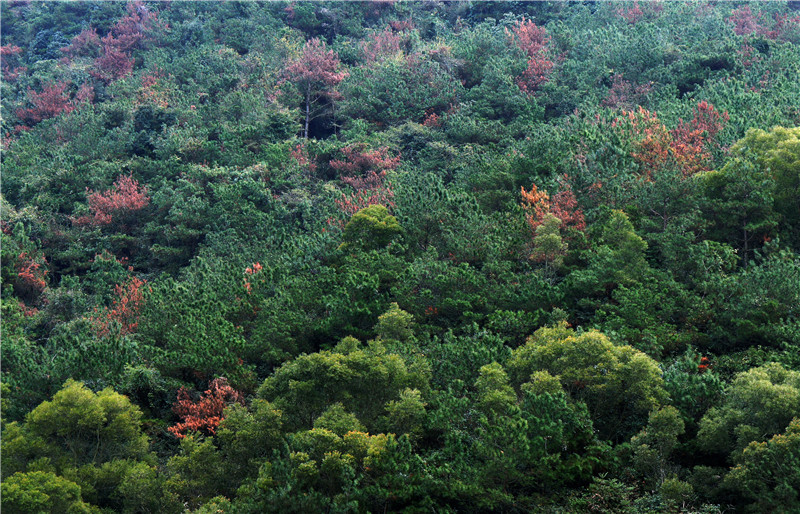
620 385
120 201
758 403
77 427
362 379
548 246
370 228
92 439
125 309
537 204
777 155
127 34
654 444
740 202
316 73
52 101
533 41
206 414
41 491
768 473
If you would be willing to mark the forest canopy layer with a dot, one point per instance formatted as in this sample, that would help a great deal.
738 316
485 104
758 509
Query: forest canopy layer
400 256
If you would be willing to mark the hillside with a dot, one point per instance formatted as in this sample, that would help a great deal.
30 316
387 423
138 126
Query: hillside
400 256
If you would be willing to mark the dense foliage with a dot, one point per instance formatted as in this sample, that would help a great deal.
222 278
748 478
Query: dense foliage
423 256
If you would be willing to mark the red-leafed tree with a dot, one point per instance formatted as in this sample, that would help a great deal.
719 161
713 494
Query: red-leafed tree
630 13
688 145
31 276
691 140
624 94
350 204
365 171
85 44
205 414
123 198
533 41
52 101
537 204
113 64
746 22
300 155
124 311
651 139
129 33
316 72
381 45
9 56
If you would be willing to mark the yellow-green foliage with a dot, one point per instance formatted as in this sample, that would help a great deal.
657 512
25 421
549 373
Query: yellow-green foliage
370 228
758 403
619 384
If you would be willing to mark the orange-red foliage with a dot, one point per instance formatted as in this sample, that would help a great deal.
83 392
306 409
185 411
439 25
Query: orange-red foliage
85 44
123 197
128 33
563 205
52 101
624 94
125 309
688 145
632 14
691 141
255 269
533 40
354 202
31 273
205 414
9 59
365 171
358 162
746 23
300 154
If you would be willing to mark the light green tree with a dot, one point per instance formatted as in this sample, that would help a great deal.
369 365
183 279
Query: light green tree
619 384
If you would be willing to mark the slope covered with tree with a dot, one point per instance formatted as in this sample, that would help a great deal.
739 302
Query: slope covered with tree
423 256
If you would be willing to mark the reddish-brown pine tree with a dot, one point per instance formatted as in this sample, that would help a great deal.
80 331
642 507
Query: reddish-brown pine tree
124 197
381 45
205 414
316 73
691 141
31 275
624 94
129 33
124 311
563 205
302 158
52 101
533 40
9 62
365 171
354 202
85 44
745 22
113 64
652 140
357 159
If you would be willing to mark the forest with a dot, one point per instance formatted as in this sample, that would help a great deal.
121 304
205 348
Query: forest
400 256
